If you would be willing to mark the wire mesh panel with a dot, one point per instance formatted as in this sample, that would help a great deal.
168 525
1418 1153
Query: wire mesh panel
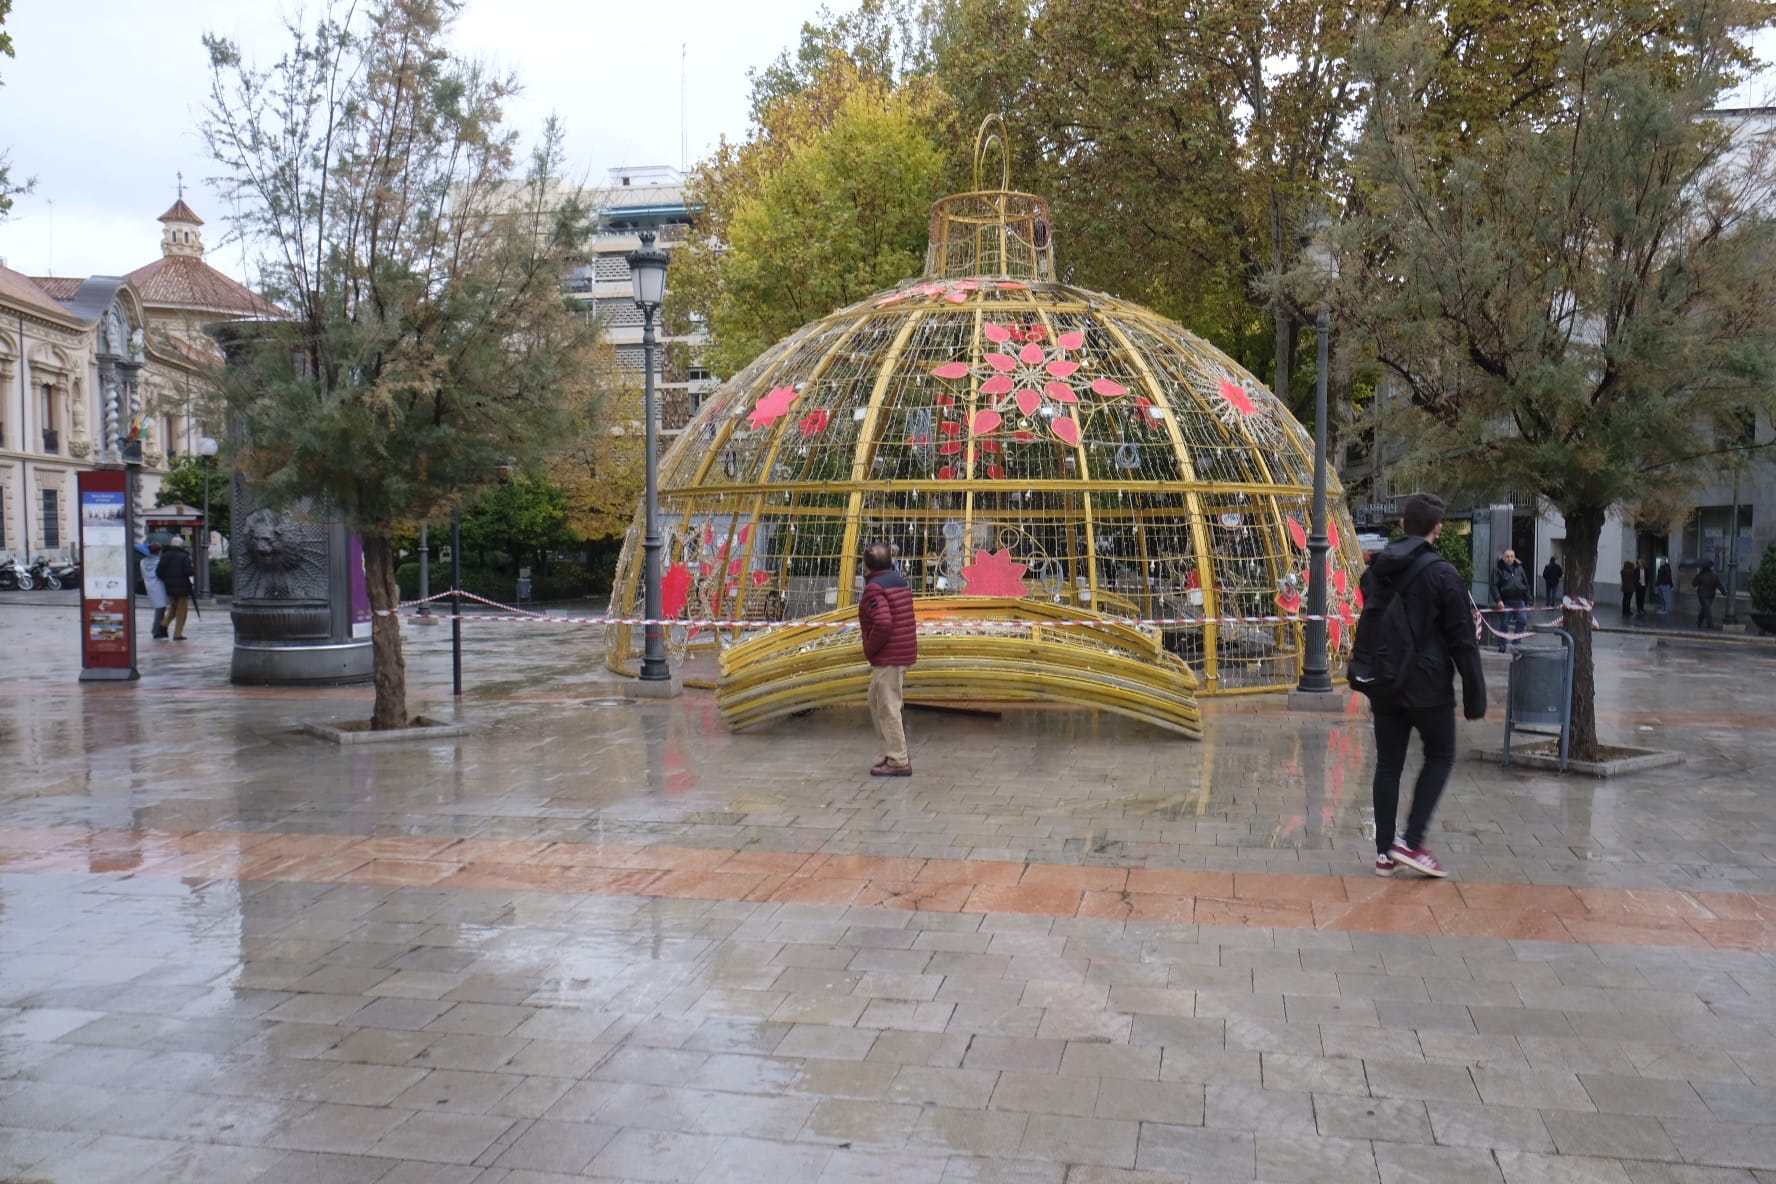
1010 437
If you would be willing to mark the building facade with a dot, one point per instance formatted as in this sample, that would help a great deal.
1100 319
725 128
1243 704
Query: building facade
94 368
648 197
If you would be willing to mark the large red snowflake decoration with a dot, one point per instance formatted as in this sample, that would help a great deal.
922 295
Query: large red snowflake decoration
773 406
1345 600
1027 379
1236 399
953 291
675 590
995 573
814 423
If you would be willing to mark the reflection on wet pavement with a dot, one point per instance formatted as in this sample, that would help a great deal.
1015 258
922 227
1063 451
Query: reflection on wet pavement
601 940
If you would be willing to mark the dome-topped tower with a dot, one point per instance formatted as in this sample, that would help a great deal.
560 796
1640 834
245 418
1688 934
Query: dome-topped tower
1017 439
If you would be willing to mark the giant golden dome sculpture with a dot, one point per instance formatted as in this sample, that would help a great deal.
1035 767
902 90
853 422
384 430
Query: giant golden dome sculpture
1092 504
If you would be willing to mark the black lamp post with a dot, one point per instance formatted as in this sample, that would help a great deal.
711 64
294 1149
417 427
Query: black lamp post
1316 674
207 449
647 271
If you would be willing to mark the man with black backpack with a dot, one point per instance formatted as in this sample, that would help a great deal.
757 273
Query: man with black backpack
1416 631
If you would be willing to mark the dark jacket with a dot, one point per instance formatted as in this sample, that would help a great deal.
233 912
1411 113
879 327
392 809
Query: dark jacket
1442 620
1552 573
176 570
1664 580
885 614
1708 585
1509 582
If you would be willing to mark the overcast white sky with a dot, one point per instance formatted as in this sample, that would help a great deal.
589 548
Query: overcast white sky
101 103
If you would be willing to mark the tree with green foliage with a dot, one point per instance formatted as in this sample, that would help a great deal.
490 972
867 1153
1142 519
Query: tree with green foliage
1573 298
9 188
430 348
824 203
522 517
184 484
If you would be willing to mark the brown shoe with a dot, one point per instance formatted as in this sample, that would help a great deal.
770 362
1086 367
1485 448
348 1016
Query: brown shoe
889 769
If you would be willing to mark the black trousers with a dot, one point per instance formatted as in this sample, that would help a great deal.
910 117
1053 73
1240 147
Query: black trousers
1393 731
1705 618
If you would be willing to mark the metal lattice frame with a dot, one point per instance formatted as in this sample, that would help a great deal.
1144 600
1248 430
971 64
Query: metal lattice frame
1131 467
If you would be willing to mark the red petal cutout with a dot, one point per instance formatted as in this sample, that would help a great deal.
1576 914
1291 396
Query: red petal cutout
709 535
1028 401
996 333
952 370
996 472
986 421
745 533
1024 437
1071 340
1062 369
949 448
950 427
760 578
1298 532
1060 392
1237 397
1001 361
1108 389
957 297
1031 355
946 401
1341 581
734 568
998 384
995 574
1335 632
946 474
991 446
1332 534
675 588
1067 428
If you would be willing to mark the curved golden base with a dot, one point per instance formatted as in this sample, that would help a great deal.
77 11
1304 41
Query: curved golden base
971 650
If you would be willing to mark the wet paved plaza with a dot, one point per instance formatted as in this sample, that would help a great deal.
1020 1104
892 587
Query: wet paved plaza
596 939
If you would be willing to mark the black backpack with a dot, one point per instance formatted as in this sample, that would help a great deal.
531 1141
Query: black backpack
1383 654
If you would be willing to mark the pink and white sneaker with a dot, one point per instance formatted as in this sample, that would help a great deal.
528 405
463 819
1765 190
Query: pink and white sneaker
1384 864
1419 859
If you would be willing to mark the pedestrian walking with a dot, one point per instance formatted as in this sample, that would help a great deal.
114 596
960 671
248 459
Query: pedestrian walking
1510 591
1628 575
176 573
1667 587
156 589
1643 582
891 643
1708 586
1412 649
1551 577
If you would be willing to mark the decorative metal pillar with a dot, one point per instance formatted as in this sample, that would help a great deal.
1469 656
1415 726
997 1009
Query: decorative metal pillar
1315 672
1732 615
647 269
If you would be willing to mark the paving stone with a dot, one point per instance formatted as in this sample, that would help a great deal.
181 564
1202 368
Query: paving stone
972 1132
1202 1153
1175 1103
1390 1120
656 1155
1517 1128
1313 1159
1521 1167
442 1137
1724 1144
1613 1094
969 1089
551 1146
1401 1163
1014 1054
1605 1135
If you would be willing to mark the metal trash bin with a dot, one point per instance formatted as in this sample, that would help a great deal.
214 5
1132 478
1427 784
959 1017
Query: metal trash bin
1539 697
524 597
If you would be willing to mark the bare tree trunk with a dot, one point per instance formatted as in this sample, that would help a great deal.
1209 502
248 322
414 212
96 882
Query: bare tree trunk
389 665
1584 527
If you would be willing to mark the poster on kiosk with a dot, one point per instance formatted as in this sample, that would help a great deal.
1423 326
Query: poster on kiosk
107 591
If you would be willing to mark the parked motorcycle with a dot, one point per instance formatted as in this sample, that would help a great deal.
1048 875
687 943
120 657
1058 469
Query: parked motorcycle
68 574
43 574
15 577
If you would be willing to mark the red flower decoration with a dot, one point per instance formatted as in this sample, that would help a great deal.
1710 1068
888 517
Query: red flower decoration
760 578
1237 398
814 423
1024 379
1298 532
773 406
675 589
995 573
1289 600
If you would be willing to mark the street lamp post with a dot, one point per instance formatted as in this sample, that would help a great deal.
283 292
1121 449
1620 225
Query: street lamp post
647 271
206 448
1316 674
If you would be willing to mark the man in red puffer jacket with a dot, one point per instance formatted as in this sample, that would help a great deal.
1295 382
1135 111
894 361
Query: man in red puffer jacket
891 643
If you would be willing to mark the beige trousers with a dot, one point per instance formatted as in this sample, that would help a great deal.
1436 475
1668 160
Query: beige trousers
887 684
